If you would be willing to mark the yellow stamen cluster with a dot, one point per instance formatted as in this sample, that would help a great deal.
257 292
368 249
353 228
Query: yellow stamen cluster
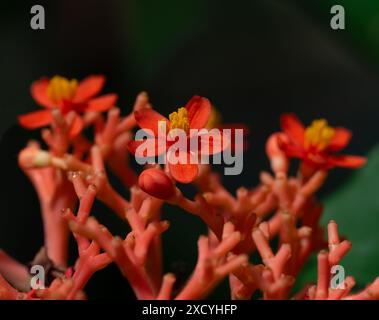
319 134
179 120
60 89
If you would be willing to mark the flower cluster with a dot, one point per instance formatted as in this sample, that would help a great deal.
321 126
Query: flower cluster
72 173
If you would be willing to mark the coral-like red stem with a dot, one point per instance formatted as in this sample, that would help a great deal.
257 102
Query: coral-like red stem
166 288
212 265
281 207
120 253
7 292
15 272
54 193
322 275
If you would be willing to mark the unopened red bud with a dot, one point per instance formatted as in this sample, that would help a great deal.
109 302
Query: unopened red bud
156 183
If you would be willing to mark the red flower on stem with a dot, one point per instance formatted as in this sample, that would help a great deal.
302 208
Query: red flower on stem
317 144
66 95
194 115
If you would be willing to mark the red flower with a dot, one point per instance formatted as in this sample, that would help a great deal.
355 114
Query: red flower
194 115
66 95
317 144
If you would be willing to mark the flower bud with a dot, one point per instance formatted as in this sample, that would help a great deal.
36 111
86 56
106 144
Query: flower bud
156 183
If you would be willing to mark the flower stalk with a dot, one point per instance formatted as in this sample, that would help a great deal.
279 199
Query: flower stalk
71 174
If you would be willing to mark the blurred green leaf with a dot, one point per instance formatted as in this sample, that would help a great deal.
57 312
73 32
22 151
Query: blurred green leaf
362 21
157 29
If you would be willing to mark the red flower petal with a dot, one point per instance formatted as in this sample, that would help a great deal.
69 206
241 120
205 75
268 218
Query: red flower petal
199 110
89 87
236 148
148 119
76 126
38 90
65 106
212 144
292 126
151 147
317 160
182 165
35 119
291 150
133 145
340 139
184 173
102 103
347 161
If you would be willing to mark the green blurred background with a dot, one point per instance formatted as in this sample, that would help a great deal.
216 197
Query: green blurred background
253 59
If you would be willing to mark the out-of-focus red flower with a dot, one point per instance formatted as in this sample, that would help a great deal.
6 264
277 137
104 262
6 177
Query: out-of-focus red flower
194 115
317 144
66 95
156 183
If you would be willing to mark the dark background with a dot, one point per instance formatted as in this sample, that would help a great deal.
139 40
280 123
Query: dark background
252 59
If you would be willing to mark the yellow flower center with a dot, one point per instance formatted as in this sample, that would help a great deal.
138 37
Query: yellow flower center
179 120
319 134
60 89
